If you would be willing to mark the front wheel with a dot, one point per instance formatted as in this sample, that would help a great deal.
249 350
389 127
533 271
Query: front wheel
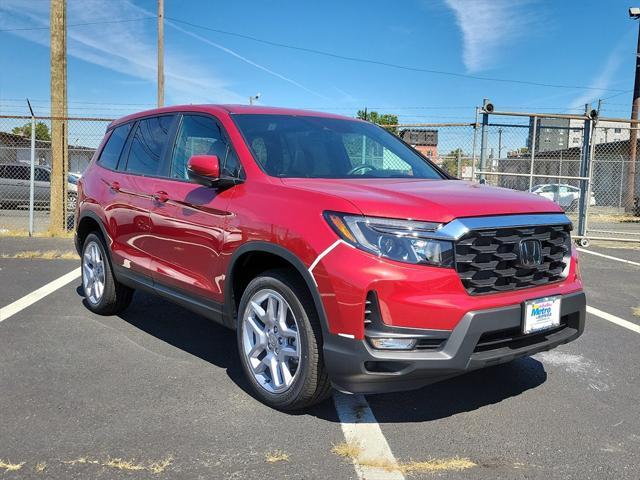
279 339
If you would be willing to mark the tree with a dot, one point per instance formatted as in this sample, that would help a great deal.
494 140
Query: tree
450 161
379 119
42 131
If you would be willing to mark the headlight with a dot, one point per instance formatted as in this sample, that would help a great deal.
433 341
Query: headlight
402 240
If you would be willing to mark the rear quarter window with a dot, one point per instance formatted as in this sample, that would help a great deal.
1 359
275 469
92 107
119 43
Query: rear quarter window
148 144
113 149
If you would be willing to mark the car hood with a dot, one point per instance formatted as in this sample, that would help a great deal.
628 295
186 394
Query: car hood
429 200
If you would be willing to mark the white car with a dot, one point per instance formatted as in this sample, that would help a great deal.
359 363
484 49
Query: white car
567 196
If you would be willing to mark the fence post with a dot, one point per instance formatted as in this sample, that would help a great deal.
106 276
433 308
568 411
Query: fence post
533 151
585 164
483 146
459 161
622 167
33 169
473 153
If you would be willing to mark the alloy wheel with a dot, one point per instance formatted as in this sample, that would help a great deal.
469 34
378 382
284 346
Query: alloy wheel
93 274
270 341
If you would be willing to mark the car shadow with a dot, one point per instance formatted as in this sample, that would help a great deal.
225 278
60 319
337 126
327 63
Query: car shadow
464 393
215 344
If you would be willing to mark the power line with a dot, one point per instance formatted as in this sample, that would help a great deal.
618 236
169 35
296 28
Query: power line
34 102
391 65
21 29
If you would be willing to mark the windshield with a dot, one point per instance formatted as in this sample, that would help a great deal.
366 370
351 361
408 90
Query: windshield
319 147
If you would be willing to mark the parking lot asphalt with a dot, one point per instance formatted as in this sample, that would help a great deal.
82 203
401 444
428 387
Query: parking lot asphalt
158 393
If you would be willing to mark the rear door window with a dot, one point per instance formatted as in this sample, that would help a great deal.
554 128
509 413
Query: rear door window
113 148
148 145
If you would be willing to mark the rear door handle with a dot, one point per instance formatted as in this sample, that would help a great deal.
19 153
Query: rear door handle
161 197
115 186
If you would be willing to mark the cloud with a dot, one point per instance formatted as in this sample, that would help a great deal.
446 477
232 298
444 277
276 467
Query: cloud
244 59
487 26
604 79
130 48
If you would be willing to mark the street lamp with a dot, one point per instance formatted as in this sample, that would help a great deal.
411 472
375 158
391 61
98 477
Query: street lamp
634 13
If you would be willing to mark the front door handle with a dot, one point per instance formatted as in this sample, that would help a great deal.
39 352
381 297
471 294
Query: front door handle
161 197
115 186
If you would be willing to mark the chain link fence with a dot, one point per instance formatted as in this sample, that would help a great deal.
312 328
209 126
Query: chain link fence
581 163
25 195
566 158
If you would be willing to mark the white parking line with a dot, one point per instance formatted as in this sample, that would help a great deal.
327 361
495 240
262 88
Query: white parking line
33 297
608 257
373 459
613 319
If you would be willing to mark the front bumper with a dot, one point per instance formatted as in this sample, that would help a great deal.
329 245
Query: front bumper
481 339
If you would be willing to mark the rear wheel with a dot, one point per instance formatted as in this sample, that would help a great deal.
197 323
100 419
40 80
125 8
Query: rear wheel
103 293
279 339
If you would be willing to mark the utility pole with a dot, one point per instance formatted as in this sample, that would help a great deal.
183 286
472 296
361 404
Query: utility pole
633 132
160 53
59 146
500 142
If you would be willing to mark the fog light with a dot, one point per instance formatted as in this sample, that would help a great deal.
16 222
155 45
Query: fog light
393 343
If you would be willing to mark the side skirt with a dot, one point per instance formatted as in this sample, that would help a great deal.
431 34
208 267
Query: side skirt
200 305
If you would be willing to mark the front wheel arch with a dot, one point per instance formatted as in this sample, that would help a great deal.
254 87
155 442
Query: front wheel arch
287 259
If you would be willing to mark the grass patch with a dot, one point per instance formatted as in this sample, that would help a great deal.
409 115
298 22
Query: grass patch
81 461
438 465
612 218
10 467
353 451
4 232
125 465
43 255
160 466
120 464
276 456
349 450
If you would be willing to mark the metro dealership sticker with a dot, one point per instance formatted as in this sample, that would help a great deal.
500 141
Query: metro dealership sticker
541 314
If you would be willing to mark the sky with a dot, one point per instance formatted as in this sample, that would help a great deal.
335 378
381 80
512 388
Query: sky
458 52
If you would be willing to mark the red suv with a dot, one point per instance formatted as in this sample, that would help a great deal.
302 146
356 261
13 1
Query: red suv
340 255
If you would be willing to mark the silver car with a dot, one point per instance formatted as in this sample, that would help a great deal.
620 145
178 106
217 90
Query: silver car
14 186
567 196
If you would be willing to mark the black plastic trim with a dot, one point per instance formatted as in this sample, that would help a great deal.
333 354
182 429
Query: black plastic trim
259 246
347 359
200 305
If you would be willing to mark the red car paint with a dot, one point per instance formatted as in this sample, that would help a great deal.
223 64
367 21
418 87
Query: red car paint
183 235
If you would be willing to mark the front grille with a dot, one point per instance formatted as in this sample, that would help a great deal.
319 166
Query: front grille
488 260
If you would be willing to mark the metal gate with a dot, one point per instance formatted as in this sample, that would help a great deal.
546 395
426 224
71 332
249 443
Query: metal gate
582 162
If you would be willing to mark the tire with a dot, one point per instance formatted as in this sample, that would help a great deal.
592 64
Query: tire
309 383
111 297
584 242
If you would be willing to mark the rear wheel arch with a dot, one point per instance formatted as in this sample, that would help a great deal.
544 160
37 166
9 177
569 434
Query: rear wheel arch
256 257
90 222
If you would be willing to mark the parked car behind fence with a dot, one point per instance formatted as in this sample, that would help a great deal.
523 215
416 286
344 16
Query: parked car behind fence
15 185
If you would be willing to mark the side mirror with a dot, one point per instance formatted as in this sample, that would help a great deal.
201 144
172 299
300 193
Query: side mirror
204 169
